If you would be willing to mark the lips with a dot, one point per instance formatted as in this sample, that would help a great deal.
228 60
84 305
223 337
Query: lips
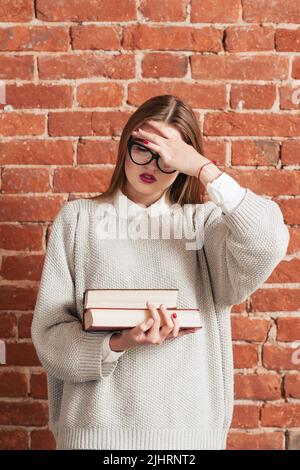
148 176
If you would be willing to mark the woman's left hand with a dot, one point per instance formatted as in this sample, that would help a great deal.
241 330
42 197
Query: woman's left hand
173 151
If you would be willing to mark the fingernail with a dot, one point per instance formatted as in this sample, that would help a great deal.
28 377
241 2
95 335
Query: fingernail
174 315
145 141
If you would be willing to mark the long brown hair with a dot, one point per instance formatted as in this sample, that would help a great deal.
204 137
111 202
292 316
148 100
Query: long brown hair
172 110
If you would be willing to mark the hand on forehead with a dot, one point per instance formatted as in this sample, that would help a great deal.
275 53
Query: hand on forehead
160 128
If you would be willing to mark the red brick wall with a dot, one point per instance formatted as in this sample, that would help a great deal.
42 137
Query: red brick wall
73 73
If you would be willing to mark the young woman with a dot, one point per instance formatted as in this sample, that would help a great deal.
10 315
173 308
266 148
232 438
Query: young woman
152 387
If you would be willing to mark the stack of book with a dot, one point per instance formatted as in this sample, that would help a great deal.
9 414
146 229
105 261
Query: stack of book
117 309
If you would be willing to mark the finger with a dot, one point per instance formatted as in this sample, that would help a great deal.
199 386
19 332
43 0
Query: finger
175 332
156 139
160 127
145 326
156 148
156 316
168 324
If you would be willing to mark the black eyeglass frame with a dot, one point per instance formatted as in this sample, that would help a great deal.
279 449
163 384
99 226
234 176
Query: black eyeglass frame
155 155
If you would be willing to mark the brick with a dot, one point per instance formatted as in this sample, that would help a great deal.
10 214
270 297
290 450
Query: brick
8 325
286 271
16 67
231 123
235 67
281 415
100 94
274 300
30 209
21 237
295 73
24 325
254 152
245 417
94 151
195 94
70 123
72 10
174 38
14 439
290 153
287 40
292 385
23 413
12 124
294 244
259 441
36 152
81 179
293 441
215 11
252 96
24 180
21 354
272 182
257 387
157 65
42 439
288 328
109 123
215 151
251 38
17 298
169 10
271 11
22 267
289 98
38 386
13 384
249 329
86 65
16 11
39 96
291 210
34 38
96 37
279 358
245 356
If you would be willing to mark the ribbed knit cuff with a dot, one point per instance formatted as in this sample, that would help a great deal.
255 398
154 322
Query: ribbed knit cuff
108 355
91 366
248 213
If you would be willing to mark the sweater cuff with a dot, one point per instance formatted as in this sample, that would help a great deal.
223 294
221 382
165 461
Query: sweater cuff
108 355
90 357
225 192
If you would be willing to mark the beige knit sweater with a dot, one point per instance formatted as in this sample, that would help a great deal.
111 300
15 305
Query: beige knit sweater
176 395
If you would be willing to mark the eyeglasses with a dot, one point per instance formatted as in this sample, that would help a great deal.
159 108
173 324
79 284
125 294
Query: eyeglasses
141 155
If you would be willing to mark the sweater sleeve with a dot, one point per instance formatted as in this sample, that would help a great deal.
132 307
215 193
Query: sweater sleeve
243 248
64 349
108 355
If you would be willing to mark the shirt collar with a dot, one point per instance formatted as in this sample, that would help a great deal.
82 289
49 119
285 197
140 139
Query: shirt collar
127 208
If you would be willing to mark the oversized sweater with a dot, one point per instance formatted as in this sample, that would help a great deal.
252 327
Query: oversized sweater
224 190
173 395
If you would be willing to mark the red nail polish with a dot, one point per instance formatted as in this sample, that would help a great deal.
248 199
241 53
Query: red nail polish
174 315
145 141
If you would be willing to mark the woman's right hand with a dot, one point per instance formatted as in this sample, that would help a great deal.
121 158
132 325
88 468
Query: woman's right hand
150 332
